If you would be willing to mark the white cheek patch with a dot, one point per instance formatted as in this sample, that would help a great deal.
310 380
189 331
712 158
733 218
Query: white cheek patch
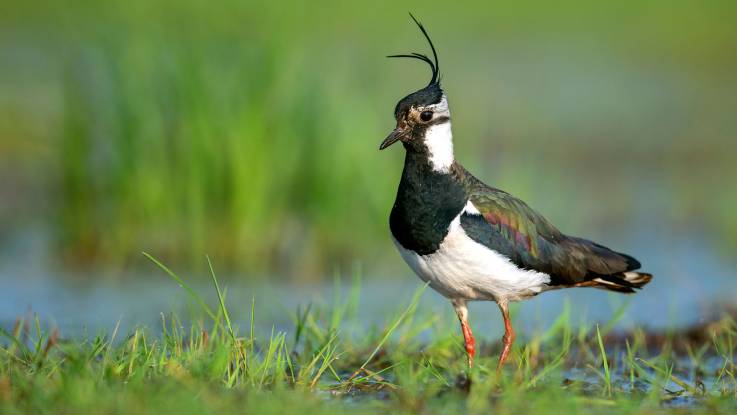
439 138
439 142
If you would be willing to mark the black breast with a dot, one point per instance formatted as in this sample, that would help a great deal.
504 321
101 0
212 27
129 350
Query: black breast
427 201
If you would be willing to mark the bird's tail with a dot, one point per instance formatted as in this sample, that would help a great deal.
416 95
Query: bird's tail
625 282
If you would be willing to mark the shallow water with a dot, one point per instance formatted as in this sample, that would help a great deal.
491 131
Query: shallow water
690 286
691 281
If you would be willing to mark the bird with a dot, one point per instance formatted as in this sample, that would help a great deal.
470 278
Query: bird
473 242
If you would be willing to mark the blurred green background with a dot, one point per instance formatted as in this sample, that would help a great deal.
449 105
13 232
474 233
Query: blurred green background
249 130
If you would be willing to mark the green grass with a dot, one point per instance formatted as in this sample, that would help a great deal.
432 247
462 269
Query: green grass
185 127
414 364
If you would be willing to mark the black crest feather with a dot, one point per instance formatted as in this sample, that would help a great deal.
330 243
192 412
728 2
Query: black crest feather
434 66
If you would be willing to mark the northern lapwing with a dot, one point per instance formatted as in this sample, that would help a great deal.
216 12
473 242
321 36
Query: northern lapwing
471 241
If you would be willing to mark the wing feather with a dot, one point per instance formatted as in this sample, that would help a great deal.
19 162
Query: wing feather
509 226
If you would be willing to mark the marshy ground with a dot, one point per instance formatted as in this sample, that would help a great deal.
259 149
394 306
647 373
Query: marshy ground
325 362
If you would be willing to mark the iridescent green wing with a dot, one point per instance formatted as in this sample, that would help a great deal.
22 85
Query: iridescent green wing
510 227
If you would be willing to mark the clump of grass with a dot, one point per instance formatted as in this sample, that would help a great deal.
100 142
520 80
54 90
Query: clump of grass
211 365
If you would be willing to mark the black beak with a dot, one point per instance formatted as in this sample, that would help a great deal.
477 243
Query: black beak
396 135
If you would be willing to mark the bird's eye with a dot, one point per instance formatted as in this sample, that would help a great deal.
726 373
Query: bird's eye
426 115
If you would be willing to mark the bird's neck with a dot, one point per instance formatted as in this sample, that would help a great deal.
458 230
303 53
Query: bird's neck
427 201
436 147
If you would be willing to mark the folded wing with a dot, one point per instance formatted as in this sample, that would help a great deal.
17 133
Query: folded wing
510 227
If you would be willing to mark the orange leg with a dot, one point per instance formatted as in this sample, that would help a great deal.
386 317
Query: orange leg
509 336
462 311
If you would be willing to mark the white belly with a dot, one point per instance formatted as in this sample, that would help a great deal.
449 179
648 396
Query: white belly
462 268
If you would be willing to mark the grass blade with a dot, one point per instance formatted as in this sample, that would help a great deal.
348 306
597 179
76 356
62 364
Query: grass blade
184 285
397 322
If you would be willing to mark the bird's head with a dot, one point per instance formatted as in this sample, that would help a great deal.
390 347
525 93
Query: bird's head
422 112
